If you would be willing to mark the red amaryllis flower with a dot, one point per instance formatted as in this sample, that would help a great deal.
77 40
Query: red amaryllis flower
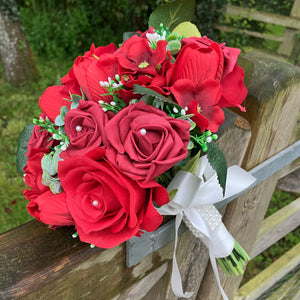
136 56
202 101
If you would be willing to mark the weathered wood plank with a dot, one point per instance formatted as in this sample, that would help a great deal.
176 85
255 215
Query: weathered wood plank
288 43
290 168
250 33
289 290
295 11
277 226
272 110
265 17
268 277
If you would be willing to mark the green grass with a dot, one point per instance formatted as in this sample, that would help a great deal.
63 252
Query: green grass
18 106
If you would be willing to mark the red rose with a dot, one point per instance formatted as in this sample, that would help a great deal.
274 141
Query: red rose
85 128
95 66
51 209
144 142
40 138
108 208
53 99
33 173
45 206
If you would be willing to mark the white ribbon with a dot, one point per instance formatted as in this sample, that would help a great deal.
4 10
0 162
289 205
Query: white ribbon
194 191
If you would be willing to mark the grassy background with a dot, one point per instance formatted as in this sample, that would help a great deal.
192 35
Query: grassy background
18 106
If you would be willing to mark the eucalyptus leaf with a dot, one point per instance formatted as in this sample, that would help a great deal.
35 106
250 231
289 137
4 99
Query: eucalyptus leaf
59 121
63 111
217 160
172 14
74 105
21 159
174 47
55 187
46 178
55 159
47 164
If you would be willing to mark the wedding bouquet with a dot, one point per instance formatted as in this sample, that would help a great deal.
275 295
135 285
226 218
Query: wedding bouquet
119 135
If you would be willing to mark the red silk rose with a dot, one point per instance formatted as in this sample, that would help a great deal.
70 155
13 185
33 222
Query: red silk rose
85 128
45 206
53 99
40 138
108 208
144 142
89 71
51 209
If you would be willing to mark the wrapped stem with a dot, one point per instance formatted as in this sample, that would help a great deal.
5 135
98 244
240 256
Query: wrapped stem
230 255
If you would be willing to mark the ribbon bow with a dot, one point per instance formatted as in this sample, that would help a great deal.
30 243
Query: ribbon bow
193 203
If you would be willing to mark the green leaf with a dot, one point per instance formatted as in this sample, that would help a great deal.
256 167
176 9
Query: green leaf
55 159
63 111
187 29
21 159
138 89
59 121
47 164
217 160
46 178
172 14
55 187
192 164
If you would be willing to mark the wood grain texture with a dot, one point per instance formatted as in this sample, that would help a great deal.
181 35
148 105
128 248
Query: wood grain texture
289 290
268 277
277 226
272 110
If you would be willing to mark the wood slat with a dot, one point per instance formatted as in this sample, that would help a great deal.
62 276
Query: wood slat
289 290
265 17
268 277
250 33
277 226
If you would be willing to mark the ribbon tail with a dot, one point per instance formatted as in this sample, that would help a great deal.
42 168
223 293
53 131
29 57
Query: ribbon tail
176 278
215 269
